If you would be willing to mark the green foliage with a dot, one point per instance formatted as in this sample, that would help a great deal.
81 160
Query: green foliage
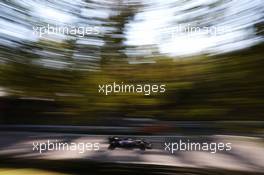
204 88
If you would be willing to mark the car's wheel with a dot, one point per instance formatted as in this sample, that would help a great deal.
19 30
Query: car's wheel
142 147
111 147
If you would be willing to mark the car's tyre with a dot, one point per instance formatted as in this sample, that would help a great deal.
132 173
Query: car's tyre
111 147
142 147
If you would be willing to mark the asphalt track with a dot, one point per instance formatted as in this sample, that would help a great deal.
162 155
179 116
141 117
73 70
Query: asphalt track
247 153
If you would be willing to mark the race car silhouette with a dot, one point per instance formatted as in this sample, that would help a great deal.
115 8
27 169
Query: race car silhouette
128 143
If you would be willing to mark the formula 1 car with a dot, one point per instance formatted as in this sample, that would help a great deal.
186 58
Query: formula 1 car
128 143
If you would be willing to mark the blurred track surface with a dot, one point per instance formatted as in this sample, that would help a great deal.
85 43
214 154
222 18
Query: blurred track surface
247 153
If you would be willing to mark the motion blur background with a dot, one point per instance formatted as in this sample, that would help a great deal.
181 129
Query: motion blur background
53 79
